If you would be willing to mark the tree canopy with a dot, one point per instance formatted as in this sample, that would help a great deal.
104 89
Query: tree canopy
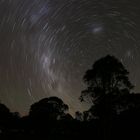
107 81
51 108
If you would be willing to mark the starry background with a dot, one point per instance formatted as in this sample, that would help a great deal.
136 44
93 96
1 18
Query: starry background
47 45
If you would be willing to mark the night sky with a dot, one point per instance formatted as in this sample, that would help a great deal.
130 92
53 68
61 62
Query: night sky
47 45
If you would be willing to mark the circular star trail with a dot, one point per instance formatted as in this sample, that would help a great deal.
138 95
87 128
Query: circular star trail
47 45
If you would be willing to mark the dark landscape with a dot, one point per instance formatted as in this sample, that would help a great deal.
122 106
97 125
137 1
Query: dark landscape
70 69
114 113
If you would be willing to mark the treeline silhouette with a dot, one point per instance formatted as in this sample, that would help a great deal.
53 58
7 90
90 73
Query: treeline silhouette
114 113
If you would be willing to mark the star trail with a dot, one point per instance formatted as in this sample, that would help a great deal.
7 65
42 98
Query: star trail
47 45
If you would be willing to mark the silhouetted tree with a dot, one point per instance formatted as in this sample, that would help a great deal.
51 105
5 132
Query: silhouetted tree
4 116
78 116
107 82
4 111
66 117
127 125
8 121
46 117
51 108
